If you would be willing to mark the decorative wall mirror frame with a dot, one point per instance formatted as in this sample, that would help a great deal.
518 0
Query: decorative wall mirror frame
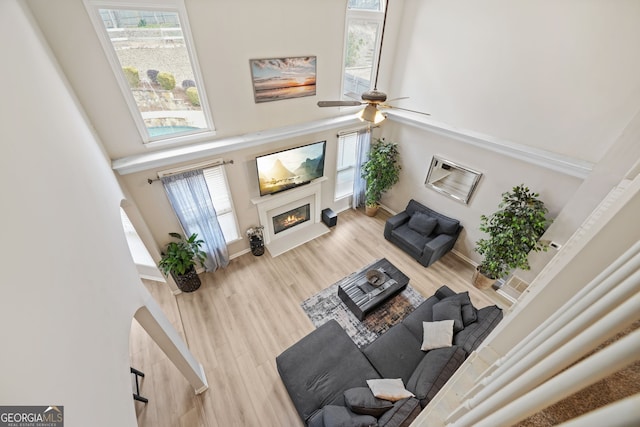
451 179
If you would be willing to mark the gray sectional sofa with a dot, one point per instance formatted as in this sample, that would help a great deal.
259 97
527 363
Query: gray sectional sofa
423 233
325 373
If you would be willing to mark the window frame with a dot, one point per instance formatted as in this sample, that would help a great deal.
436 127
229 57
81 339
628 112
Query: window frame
339 156
232 208
175 6
371 16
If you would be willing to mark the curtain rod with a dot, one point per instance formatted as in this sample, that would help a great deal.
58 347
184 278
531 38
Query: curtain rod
190 168
344 132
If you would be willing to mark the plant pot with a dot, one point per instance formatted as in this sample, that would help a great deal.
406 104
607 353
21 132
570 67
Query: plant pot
481 281
187 282
371 210
257 245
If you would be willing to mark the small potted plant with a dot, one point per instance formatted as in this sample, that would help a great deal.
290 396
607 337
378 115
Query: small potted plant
180 259
514 231
381 171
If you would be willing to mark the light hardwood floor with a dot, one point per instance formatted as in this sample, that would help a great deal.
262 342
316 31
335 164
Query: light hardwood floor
242 317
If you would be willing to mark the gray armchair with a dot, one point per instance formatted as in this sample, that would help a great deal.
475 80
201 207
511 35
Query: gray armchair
424 234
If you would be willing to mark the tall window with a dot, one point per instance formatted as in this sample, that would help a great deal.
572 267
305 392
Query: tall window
364 23
221 198
150 51
347 149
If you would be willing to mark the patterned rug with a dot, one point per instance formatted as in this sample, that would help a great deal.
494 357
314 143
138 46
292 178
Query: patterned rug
326 305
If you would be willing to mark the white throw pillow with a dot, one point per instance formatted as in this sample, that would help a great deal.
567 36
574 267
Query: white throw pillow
389 389
437 334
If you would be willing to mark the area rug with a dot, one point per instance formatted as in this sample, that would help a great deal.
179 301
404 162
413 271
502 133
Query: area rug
327 305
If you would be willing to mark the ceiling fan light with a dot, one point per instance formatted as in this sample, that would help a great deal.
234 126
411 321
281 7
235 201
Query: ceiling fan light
371 114
379 117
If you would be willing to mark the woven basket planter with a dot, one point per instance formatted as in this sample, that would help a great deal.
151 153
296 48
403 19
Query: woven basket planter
187 282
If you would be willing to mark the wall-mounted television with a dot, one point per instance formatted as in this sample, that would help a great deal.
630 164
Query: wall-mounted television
290 168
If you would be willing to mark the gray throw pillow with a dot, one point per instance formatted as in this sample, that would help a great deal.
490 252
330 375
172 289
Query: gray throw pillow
449 310
434 370
469 312
340 416
422 223
362 401
447 226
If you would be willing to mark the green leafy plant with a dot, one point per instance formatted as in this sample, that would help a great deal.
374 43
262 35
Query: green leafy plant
381 171
192 96
181 256
166 80
514 231
132 75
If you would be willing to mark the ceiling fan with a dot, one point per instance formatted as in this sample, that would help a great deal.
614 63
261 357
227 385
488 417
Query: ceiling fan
375 100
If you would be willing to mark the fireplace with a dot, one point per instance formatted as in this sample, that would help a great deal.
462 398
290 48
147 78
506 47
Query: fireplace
291 218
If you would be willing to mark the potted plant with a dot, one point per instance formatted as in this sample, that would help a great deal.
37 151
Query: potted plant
514 231
180 258
381 171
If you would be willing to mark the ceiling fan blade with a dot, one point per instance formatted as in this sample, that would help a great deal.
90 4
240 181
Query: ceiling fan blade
397 99
391 107
339 103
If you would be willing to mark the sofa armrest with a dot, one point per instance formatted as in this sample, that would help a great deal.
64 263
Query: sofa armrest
436 248
395 222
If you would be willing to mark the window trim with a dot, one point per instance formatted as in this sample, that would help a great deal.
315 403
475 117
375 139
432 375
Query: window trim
344 134
93 9
232 209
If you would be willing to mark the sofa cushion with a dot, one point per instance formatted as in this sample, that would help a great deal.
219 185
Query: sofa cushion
402 414
391 389
471 336
401 360
362 401
447 226
469 312
434 370
422 313
340 416
437 334
449 310
412 241
321 366
422 223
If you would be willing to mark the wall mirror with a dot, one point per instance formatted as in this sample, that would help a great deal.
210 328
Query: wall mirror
451 179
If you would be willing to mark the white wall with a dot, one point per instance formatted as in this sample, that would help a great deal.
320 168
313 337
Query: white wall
558 77
562 76
69 286
243 182
499 174
227 35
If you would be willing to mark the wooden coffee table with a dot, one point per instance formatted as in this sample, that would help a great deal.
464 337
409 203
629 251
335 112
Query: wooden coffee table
361 297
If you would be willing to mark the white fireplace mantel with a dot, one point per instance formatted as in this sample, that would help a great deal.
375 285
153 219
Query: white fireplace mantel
272 205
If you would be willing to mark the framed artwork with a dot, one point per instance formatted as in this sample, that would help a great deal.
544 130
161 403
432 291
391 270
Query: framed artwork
283 78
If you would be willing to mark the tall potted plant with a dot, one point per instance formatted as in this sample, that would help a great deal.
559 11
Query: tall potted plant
381 171
180 258
514 231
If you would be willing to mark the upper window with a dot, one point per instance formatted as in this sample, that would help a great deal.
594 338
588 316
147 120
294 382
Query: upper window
151 54
364 24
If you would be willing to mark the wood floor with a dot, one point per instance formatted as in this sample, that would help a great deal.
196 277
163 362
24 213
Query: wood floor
245 315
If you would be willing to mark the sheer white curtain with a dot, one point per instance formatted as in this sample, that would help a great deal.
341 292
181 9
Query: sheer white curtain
362 154
191 200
